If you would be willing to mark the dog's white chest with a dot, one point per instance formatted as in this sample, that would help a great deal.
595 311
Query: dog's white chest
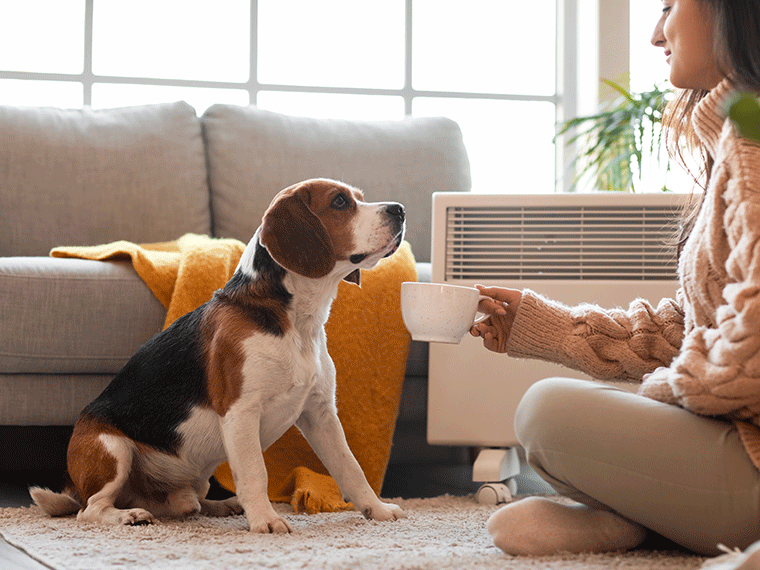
279 375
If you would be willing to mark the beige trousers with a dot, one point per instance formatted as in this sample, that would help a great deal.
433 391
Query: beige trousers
684 476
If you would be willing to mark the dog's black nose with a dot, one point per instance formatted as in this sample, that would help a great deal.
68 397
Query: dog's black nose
396 210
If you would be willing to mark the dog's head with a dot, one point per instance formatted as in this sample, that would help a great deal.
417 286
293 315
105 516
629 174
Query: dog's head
319 226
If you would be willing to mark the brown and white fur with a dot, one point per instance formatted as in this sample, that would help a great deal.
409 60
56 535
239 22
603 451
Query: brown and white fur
225 381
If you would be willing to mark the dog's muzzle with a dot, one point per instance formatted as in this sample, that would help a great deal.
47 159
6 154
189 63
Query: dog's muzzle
395 216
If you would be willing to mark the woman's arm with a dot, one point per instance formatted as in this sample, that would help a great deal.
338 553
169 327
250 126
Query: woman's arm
613 344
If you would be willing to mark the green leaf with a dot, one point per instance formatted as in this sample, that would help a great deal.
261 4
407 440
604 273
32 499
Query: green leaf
609 142
620 89
745 112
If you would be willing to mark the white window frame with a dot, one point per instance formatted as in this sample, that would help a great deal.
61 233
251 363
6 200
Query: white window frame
583 26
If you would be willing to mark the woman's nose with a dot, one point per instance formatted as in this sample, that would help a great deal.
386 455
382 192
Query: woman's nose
658 38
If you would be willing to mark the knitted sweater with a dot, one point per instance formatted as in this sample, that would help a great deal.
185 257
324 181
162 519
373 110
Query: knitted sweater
701 351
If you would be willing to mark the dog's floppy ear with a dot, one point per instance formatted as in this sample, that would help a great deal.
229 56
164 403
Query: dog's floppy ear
296 238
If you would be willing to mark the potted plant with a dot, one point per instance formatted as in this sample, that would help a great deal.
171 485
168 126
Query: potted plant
616 144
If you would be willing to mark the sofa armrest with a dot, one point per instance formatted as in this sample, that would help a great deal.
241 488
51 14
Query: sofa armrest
63 316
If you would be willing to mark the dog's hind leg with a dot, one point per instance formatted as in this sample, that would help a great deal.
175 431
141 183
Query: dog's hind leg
100 464
183 502
223 508
216 508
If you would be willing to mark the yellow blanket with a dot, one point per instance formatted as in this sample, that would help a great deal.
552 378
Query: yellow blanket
365 337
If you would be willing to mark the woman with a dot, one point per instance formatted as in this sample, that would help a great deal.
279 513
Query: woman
681 458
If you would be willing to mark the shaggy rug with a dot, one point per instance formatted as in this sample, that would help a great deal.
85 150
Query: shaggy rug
444 532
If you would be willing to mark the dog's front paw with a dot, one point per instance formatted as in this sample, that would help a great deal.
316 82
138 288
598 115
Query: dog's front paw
269 525
384 512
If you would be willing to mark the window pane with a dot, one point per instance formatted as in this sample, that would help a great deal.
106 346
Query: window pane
172 39
331 43
485 46
509 142
648 66
105 95
333 106
42 36
27 93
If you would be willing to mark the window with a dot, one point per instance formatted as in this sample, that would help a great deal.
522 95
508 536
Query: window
648 68
491 65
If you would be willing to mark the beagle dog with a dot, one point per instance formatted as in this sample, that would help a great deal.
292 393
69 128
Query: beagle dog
225 381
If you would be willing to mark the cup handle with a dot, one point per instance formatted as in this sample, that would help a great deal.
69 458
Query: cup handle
485 315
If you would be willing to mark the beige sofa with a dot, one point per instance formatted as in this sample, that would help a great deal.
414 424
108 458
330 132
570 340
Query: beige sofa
153 173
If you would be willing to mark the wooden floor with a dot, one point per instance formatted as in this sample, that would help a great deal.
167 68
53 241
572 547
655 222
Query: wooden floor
14 559
401 480
14 493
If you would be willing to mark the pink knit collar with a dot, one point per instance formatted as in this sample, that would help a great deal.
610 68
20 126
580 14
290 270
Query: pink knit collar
710 114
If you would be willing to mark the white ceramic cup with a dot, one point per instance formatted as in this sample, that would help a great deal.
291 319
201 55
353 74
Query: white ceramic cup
433 312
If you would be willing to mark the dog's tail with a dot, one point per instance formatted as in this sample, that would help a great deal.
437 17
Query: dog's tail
56 504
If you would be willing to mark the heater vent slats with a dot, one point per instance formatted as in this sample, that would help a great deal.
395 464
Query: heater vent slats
563 242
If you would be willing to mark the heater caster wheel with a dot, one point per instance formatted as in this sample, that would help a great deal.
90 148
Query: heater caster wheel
496 493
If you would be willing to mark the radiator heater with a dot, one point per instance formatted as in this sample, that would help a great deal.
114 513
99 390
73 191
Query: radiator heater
603 248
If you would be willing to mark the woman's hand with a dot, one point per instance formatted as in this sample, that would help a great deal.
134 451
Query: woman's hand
502 308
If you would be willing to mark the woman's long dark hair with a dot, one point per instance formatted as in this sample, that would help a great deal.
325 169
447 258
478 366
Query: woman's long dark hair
737 50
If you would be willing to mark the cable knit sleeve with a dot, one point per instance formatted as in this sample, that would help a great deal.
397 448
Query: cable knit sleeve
717 372
612 344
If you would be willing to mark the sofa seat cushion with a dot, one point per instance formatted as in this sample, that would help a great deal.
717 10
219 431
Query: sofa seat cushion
47 399
84 177
253 154
65 316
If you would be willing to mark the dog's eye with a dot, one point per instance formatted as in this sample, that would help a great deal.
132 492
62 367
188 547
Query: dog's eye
340 202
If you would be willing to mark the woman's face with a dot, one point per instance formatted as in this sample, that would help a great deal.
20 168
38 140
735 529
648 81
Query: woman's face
686 31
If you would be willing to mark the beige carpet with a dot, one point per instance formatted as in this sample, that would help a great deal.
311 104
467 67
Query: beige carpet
440 533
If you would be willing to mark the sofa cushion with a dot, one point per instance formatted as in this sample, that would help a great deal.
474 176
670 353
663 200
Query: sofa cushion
70 315
47 399
84 177
48 303
253 154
